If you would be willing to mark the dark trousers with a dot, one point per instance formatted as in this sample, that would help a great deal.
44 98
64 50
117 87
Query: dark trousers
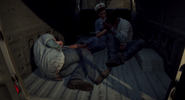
79 63
132 47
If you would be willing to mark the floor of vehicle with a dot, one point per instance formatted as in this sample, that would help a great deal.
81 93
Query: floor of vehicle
126 82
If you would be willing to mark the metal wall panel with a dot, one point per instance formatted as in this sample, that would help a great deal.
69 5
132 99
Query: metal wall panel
160 24
22 27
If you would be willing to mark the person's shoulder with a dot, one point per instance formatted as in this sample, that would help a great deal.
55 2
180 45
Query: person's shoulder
97 20
47 35
124 21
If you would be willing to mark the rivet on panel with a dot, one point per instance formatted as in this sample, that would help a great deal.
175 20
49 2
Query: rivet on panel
10 38
19 55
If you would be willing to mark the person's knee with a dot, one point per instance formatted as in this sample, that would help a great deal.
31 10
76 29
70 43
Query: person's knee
86 52
101 47
110 36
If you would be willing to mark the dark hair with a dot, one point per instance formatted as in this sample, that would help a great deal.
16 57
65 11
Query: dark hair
99 10
57 39
112 18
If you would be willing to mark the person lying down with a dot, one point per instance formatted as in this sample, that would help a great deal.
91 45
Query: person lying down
57 61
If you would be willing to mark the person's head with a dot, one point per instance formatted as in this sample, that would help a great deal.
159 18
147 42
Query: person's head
113 19
57 40
100 9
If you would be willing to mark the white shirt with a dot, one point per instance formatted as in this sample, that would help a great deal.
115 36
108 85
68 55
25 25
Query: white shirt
49 60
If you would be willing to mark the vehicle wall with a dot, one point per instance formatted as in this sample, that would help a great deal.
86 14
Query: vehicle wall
23 21
161 24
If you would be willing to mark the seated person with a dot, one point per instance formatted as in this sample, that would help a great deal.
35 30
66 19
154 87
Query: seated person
98 42
56 61
120 37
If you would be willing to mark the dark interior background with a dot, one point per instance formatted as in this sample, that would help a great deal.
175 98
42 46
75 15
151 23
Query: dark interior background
161 24
58 14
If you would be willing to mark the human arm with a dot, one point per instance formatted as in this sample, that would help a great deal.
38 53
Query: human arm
111 29
101 33
73 46
97 26
52 44
118 35
98 30
105 28
77 46
123 28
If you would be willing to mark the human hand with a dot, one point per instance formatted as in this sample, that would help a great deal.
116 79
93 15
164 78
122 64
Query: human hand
60 43
115 26
97 32
107 26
